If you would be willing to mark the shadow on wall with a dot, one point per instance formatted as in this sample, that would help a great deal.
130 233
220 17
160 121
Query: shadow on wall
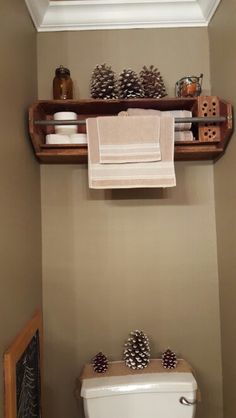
63 354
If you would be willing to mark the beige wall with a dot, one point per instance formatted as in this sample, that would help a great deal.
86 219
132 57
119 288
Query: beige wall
174 52
20 238
115 261
222 34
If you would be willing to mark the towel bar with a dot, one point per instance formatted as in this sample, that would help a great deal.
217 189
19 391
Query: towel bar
206 119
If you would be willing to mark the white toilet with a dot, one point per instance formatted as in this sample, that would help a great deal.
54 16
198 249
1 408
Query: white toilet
147 395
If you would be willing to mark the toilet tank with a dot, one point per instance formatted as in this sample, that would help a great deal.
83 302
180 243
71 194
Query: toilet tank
148 395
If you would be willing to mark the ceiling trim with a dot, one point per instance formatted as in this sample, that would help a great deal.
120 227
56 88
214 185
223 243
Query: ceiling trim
71 15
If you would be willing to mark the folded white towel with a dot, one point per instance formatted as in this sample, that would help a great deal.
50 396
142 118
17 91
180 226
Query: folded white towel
184 136
185 126
176 113
54 139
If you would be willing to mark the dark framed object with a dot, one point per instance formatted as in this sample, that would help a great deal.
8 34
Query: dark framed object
23 372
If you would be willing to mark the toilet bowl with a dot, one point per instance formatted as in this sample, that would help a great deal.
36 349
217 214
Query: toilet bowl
143 395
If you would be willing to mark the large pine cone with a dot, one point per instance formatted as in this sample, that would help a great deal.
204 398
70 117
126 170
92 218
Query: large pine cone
100 363
129 85
152 82
169 359
103 83
137 350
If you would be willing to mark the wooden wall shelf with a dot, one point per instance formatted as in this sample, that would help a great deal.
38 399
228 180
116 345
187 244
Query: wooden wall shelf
210 142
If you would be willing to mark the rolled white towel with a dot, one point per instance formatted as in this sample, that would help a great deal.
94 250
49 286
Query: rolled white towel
78 139
54 139
65 129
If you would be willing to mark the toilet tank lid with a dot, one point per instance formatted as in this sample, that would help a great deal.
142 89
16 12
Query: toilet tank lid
143 383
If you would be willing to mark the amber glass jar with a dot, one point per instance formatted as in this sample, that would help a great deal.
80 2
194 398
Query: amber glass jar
62 84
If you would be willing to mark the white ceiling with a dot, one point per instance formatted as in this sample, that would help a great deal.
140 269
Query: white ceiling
68 15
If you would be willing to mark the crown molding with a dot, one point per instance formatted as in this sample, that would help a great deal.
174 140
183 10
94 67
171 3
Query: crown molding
71 15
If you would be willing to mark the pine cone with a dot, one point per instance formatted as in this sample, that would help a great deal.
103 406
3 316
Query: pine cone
169 359
137 350
103 83
100 363
129 85
152 82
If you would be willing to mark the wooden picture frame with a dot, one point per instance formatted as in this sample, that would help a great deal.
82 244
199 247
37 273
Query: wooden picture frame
29 338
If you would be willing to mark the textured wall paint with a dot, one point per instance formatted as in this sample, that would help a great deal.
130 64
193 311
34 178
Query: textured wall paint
20 238
115 261
222 34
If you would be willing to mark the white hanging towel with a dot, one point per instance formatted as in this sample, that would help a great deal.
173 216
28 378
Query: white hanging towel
132 139
132 175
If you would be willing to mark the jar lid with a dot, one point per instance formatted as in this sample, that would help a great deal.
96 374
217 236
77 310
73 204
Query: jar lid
62 71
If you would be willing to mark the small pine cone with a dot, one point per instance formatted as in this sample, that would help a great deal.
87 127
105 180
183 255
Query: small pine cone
100 363
103 83
129 85
169 359
137 350
152 82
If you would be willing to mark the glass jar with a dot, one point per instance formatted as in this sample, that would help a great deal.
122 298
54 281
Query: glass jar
190 86
62 84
